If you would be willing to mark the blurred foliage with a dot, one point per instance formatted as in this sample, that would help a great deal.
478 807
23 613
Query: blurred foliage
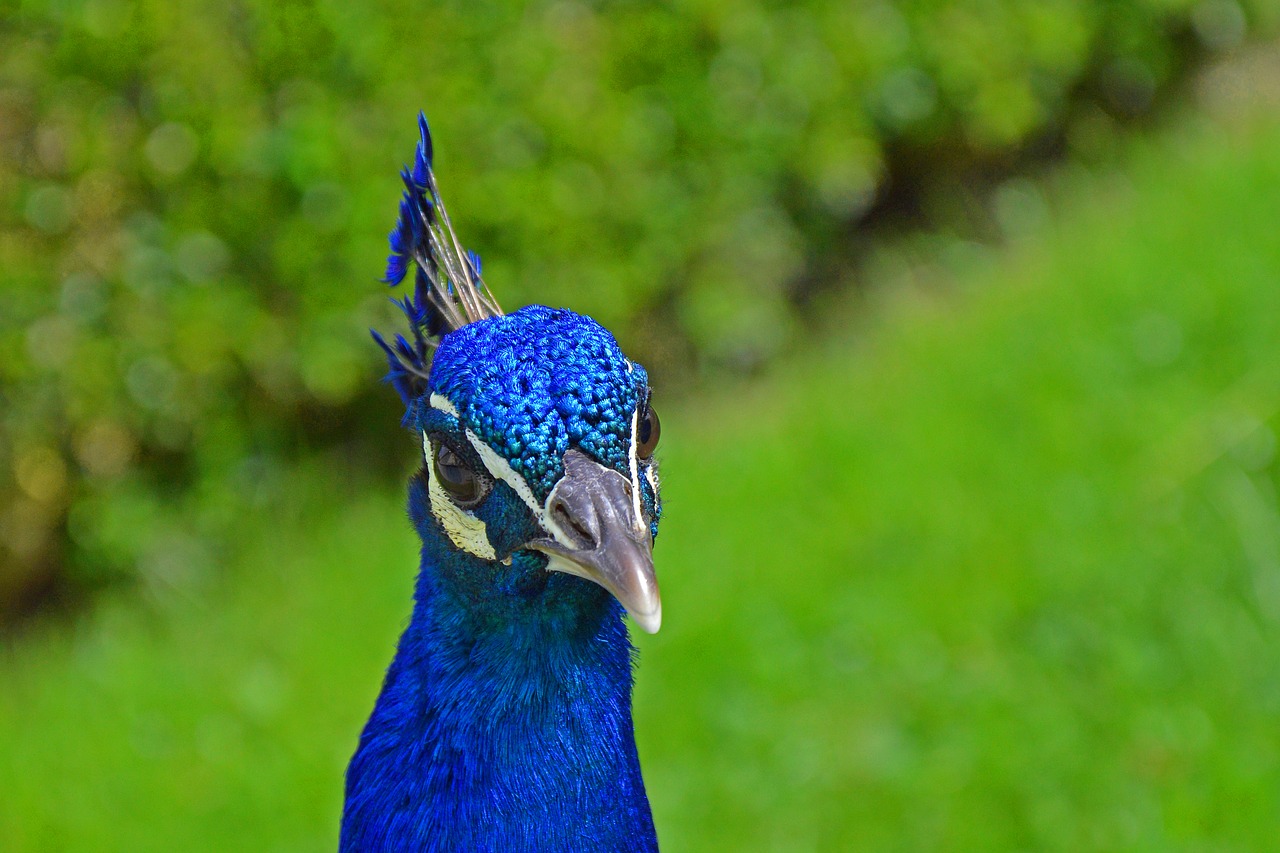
1004 575
193 198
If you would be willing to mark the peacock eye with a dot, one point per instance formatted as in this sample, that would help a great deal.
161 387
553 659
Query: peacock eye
647 431
456 477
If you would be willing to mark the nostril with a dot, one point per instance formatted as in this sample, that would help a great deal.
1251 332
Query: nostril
572 526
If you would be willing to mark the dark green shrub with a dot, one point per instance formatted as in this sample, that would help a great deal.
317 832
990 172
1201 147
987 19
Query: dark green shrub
194 197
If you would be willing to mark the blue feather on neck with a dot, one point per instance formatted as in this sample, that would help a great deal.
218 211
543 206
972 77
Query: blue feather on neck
505 719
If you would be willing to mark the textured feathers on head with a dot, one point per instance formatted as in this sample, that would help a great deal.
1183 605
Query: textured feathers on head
448 292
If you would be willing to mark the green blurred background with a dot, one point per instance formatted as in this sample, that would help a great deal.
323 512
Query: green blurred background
965 321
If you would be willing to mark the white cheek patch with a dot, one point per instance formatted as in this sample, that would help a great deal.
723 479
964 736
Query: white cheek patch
464 530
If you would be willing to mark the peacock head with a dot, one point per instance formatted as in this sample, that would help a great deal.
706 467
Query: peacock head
537 432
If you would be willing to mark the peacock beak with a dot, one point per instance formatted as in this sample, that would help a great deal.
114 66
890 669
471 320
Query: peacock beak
598 534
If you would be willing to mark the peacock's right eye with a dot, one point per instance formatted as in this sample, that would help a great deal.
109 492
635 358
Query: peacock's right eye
647 431
454 475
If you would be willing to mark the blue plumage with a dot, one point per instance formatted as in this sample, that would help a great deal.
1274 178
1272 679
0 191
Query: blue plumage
504 722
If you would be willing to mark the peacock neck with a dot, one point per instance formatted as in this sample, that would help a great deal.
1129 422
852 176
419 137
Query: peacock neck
503 724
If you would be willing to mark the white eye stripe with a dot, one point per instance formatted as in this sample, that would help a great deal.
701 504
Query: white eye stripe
442 403
638 517
500 469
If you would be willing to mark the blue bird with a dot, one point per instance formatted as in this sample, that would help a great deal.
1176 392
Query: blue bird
504 722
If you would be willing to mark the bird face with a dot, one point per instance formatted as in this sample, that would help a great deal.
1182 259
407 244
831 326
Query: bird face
538 438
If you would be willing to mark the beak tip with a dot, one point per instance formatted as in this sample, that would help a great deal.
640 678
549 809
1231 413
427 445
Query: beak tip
649 622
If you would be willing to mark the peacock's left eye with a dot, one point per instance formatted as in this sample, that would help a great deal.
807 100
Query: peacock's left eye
454 475
647 431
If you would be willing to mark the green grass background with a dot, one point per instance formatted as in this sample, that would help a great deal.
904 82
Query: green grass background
993 564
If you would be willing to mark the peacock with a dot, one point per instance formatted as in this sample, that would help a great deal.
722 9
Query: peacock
504 722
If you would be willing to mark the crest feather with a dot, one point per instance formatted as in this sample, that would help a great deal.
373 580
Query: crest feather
448 292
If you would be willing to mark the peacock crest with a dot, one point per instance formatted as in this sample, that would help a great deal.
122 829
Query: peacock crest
448 291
